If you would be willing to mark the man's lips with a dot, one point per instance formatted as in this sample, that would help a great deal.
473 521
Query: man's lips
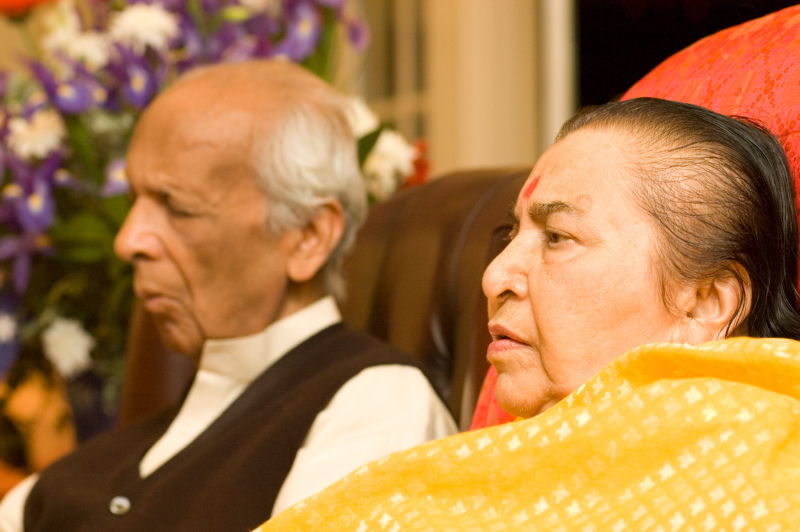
153 300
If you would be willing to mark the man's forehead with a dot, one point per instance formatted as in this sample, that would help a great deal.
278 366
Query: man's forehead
188 160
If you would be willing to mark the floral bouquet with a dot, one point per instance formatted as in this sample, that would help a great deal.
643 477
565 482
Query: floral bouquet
65 298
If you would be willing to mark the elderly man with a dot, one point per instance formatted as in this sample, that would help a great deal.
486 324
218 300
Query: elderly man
246 194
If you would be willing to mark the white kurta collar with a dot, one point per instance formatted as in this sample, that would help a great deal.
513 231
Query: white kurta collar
227 367
246 357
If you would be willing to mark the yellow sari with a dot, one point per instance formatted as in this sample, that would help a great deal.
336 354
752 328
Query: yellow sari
667 438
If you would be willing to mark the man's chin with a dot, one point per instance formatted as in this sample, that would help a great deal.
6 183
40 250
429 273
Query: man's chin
179 338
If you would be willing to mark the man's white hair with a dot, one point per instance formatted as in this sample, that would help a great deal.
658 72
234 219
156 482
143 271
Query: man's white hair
303 152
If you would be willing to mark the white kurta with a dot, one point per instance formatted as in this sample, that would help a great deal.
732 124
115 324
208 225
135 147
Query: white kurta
381 410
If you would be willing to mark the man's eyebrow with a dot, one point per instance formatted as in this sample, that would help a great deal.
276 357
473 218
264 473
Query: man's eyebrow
539 212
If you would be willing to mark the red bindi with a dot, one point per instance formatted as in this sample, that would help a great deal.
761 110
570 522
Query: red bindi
528 190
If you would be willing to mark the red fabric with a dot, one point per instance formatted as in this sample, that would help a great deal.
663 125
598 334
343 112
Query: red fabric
488 411
19 8
753 70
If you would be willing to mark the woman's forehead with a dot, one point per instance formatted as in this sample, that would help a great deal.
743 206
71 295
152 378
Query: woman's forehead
588 168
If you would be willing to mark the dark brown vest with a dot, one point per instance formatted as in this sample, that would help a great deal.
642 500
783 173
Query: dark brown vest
226 479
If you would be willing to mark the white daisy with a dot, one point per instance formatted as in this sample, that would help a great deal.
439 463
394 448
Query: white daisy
37 137
67 345
142 25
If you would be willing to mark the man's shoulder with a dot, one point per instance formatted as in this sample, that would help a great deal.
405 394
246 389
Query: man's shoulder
121 440
345 343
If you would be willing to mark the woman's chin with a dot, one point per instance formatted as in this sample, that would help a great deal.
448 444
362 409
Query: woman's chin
514 399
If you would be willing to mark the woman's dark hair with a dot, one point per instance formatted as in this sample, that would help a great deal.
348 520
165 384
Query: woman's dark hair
720 191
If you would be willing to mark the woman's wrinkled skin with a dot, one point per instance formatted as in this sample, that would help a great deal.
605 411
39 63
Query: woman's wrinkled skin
578 284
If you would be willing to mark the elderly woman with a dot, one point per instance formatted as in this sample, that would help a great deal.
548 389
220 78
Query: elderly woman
648 222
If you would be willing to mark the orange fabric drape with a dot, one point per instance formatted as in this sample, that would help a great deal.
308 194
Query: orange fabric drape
666 438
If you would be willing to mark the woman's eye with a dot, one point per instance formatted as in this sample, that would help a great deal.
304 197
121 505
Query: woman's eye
554 238
511 234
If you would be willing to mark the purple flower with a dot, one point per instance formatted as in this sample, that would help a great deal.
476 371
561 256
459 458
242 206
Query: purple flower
187 48
241 50
27 176
262 26
36 211
71 97
210 6
34 103
116 179
21 249
358 33
136 78
9 331
63 178
227 35
175 6
140 87
302 34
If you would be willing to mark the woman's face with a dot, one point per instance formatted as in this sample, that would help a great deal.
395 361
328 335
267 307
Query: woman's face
577 285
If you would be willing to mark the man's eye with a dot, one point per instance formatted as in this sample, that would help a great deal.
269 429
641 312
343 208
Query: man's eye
177 212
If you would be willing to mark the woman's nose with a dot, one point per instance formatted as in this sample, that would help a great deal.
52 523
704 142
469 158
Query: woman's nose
138 237
506 276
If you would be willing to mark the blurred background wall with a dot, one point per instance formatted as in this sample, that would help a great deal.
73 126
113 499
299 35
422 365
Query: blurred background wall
489 82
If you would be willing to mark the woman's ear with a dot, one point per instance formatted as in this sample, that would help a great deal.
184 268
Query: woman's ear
314 243
714 306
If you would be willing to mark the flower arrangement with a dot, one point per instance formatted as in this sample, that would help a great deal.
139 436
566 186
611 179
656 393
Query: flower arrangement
64 129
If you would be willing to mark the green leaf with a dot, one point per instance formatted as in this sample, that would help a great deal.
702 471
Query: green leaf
85 238
83 148
236 14
321 61
366 143
116 208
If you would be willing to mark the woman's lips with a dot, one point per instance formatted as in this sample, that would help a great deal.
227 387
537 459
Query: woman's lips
505 341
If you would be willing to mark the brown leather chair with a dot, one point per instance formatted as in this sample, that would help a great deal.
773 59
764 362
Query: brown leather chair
414 280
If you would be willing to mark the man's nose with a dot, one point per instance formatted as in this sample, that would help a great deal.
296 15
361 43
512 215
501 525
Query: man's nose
506 275
138 237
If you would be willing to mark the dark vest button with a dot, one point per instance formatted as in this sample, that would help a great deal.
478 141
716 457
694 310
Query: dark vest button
119 505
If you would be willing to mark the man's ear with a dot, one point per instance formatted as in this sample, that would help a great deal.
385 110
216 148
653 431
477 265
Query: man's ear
714 305
315 242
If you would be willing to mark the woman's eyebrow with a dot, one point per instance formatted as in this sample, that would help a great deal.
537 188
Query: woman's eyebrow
539 212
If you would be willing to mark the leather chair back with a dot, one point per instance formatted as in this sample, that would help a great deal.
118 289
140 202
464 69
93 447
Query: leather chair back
414 275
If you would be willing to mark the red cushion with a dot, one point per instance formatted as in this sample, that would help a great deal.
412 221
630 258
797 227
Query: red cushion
752 69
488 411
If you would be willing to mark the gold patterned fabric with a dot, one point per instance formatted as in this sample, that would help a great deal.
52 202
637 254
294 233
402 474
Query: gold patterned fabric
667 438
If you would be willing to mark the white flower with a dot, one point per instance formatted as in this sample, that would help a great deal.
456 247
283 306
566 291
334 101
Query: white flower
8 328
110 124
36 138
391 159
142 25
91 47
362 119
67 346
62 18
